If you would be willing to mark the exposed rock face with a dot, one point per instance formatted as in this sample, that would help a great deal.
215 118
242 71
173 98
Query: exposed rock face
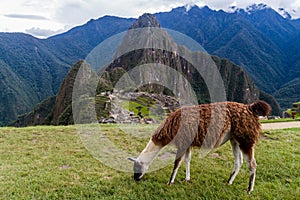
238 84
146 20
64 97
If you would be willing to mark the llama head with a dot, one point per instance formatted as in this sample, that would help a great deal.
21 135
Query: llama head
139 168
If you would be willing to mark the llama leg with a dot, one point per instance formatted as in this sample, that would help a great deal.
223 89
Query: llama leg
241 157
177 164
187 156
237 160
249 157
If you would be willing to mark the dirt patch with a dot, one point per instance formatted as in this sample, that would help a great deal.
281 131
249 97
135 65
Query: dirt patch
280 125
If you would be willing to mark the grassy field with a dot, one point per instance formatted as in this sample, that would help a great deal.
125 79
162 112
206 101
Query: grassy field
52 163
279 120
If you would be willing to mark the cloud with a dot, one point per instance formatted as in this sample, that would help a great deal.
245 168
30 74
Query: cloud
76 12
80 11
56 14
21 16
42 33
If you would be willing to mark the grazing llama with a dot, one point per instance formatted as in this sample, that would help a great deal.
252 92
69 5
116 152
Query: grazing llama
189 126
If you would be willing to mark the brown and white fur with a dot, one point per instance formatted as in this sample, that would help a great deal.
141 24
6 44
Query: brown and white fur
189 126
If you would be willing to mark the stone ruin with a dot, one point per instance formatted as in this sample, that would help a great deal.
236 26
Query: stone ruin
120 114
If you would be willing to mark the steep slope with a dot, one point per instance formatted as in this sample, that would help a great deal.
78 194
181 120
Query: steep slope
242 37
12 87
266 49
276 27
40 115
294 57
296 23
64 97
79 41
238 85
31 74
288 93
245 43
34 68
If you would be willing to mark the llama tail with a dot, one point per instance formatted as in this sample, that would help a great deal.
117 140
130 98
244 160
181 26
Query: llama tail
260 108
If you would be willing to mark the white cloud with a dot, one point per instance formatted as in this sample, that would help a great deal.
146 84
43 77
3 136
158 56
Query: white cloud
53 15
43 33
22 16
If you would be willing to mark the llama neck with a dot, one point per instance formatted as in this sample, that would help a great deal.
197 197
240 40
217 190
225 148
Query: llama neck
149 153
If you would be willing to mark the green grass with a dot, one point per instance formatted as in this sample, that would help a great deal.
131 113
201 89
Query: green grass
145 106
279 120
52 163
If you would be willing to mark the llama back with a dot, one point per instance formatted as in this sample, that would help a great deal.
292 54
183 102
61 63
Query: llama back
190 125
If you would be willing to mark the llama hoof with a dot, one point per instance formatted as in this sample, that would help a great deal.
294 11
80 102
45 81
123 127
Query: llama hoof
170 183
187 180
249 191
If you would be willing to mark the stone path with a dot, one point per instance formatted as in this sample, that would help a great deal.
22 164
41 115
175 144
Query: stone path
280 125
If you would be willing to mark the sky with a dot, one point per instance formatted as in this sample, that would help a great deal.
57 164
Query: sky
46 18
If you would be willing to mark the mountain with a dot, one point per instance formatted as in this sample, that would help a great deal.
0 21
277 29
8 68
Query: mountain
32 69
296 23
29 72
247 39
285 14
78 42
238 85
267 50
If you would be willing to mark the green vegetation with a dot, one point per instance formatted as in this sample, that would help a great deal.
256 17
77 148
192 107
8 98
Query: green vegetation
289 111
288 94
102 106
29 73
144 106
34 69
294 111
52 163
278 120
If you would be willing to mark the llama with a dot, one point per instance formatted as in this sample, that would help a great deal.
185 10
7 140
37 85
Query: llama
189 126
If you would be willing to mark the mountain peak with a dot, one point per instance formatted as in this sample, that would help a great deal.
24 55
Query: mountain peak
146 20
249 9
189 6
285 14
256 7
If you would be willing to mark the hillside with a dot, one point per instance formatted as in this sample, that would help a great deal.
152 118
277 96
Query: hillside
29 74
239 37
238 85
266 49
33 69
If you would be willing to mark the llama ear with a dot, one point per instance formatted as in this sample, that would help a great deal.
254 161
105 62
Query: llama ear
132 159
